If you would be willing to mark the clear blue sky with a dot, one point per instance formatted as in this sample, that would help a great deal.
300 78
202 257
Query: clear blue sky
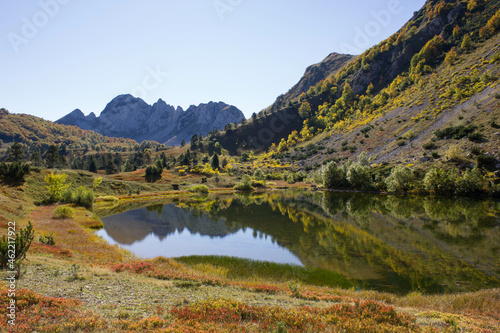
59 55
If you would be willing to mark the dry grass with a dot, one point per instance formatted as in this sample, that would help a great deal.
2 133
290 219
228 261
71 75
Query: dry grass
126 299
125 294
72 235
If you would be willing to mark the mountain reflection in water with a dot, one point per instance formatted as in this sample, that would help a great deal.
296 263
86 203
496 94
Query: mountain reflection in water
162 221
168 230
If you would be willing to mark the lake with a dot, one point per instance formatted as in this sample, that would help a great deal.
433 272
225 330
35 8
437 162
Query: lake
383 242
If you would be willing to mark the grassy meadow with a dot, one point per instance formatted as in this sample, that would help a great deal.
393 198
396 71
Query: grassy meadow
80 283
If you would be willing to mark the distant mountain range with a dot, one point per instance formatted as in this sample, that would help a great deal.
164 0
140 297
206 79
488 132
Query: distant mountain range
129 117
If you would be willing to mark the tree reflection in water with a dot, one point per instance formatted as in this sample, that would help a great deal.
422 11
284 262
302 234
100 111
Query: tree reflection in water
387 242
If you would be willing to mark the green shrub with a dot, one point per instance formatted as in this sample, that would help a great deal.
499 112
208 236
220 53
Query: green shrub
284 175
330 151
299 176
472 182
485 160
333 176
47 239
21 244
244 158
400 179
68 196
14 172
84 197
429 146
364 159
273 176
245 184
401 143
64 212
153 172
258 175
440 181
293 177
475 137
199 189
476 150
455 132
318 176
358 176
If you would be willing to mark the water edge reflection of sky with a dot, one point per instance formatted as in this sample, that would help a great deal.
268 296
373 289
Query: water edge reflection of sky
241 244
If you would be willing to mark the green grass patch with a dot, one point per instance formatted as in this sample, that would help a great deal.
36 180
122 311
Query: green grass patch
107 198
64 212
199 189
238 268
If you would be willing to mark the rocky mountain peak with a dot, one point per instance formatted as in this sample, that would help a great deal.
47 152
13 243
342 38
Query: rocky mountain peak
131 117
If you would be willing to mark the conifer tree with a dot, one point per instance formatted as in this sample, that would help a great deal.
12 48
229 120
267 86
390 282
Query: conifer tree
16 152
52 157
214 162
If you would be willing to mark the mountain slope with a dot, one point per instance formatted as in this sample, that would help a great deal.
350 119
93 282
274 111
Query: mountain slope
408 128
371 84
318 72
130 117
312 76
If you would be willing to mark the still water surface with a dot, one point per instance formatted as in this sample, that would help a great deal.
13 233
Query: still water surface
382 242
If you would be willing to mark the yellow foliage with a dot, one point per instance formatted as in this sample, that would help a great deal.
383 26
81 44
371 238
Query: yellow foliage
293 138
282 146
454 153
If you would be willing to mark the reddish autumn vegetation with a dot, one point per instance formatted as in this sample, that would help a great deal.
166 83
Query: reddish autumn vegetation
54 250
47 314
167 269
366 316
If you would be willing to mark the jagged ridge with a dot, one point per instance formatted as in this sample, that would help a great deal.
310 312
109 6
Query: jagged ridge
130 117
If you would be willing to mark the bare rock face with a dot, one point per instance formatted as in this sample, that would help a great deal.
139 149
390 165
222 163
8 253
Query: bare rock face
130 117
77 118
320 71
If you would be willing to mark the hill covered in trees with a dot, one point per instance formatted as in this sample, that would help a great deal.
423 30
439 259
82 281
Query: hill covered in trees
25 137
37 132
